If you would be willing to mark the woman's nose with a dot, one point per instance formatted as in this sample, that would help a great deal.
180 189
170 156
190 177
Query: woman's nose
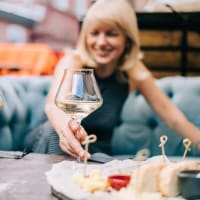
101 40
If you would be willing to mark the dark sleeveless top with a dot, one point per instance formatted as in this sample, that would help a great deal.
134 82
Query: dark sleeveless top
102 121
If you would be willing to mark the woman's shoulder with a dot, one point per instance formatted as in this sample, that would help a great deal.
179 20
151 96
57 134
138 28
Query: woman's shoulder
139 72
71 59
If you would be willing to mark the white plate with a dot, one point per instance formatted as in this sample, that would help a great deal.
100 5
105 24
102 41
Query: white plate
62 185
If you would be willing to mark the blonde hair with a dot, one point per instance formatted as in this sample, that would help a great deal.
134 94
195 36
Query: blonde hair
120 13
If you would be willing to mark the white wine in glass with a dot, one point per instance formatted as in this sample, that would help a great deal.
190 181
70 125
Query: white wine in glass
78 110
78 94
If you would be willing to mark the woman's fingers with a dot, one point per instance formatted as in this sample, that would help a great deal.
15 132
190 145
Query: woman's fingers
71 145
80 134
64 145
78 130
65 149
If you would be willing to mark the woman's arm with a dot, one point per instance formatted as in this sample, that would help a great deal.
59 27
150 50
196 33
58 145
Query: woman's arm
69 132
165 109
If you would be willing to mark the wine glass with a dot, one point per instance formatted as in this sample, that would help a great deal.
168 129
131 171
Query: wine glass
78 94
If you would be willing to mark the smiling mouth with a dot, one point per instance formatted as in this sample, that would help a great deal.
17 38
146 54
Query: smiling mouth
103 52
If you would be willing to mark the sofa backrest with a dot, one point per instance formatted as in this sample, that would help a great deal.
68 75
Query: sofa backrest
141 128
24 99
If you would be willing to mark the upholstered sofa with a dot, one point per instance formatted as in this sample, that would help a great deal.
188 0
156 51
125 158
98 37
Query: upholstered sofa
142 128
24 99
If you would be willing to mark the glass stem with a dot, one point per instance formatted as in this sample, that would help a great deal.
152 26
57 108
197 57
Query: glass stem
78 120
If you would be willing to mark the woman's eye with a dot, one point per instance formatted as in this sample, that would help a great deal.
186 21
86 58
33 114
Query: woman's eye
94 33
112 33
108 33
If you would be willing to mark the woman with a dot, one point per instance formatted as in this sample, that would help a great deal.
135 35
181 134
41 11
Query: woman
109 43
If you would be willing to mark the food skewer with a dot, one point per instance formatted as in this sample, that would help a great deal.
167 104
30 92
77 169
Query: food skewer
187 143
89 139
163 140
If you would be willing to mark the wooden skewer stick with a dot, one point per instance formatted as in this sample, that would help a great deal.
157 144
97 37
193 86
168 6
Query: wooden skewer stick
163 140
89 139
187 143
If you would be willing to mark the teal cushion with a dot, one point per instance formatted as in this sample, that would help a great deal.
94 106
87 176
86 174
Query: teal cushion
141 128
23 108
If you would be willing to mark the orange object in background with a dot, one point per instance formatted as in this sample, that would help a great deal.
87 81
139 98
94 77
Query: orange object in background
27 58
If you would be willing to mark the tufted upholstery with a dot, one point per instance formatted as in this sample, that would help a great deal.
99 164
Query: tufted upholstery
23 108
142 128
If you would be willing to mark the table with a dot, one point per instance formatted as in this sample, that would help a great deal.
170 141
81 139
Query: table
24 179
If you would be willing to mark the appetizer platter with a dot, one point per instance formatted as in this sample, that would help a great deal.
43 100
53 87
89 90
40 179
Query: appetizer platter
131 179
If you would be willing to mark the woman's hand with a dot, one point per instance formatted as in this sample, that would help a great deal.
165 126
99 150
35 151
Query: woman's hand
71 134
71 138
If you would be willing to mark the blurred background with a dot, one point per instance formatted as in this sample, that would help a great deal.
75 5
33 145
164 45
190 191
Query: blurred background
54 22
169 31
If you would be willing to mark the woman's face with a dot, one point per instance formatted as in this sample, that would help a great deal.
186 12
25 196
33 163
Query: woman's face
105 43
